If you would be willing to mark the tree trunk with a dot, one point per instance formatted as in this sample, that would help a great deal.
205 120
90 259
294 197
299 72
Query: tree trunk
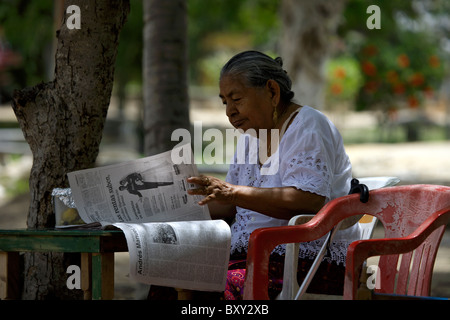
62 122
166 102
308 30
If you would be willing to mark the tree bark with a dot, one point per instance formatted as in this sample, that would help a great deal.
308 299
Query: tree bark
166 102
62 122
308 30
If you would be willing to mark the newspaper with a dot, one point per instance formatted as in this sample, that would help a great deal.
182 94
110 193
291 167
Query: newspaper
171 239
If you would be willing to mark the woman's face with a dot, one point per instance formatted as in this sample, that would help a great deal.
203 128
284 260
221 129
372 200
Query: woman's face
247 107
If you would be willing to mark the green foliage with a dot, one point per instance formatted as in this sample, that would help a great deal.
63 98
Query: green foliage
231 25
366 71
27 26
256 17
399 70
212 26
343 79
402 63
129 55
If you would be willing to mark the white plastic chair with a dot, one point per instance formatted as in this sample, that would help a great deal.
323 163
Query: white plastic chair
291 290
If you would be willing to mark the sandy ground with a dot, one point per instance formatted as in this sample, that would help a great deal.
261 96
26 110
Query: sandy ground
411 162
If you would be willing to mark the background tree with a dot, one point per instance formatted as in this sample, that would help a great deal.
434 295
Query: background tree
62 122
223 28
128 82
165 71
17 18
309 27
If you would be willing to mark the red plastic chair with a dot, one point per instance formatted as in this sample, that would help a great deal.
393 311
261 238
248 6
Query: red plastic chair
291 290
406 263
401 210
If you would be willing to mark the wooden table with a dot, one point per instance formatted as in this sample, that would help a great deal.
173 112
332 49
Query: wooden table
97 249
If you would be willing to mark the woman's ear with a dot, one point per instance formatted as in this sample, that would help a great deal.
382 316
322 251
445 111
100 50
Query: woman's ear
274 90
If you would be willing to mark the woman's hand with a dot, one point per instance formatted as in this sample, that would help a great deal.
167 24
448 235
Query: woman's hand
213 189
278 202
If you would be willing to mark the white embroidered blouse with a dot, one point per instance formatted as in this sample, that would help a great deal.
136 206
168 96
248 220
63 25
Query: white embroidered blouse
310 157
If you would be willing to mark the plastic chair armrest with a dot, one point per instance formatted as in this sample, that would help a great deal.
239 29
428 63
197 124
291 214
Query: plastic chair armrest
360 250
261 244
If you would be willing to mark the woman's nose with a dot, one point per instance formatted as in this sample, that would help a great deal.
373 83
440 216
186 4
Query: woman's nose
230 110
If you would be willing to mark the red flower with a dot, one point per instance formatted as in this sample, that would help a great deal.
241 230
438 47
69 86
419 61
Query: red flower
336 89
370 50
417 79
371 87
392 76
413 102
399 88
403 60
369 68
434 61
340 73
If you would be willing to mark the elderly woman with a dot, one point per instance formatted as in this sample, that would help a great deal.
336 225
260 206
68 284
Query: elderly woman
313 169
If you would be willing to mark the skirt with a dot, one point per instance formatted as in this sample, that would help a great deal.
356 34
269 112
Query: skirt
329 278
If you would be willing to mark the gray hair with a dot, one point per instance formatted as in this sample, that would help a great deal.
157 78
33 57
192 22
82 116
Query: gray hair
257 68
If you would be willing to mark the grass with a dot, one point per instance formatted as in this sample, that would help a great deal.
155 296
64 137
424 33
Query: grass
391 135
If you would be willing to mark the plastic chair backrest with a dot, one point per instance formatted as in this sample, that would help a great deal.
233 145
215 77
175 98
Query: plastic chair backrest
290 289
367 223
402 213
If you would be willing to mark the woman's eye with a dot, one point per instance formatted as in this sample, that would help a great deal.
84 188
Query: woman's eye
234 100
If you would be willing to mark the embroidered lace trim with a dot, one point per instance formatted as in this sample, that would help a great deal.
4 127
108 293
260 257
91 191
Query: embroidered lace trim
312 178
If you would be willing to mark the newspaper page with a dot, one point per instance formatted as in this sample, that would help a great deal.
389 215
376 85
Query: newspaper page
171 239
151 189
190 255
